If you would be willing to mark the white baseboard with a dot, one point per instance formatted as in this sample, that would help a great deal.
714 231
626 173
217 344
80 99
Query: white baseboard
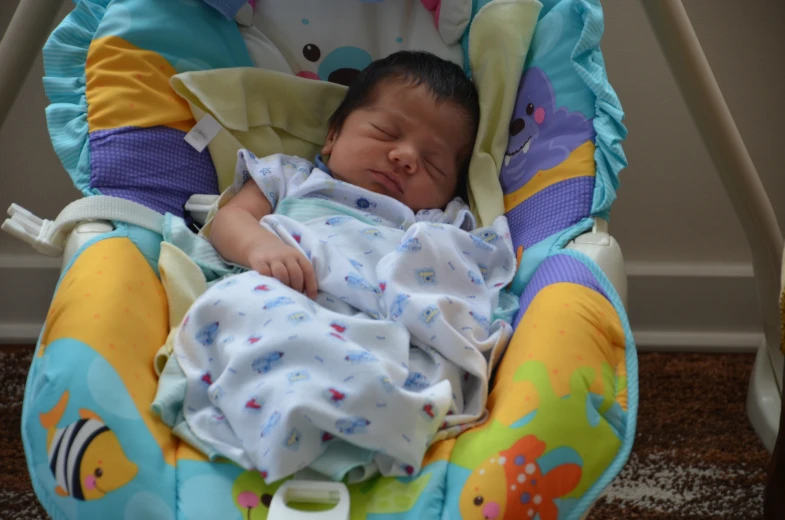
697 341
20 333
685 306
694 306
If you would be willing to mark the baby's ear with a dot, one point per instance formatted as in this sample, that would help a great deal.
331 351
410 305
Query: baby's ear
329 143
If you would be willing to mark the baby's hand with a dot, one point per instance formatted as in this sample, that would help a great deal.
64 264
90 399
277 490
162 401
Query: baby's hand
286 264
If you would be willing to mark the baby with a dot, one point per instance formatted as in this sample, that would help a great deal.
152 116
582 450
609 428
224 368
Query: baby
367 325
405 130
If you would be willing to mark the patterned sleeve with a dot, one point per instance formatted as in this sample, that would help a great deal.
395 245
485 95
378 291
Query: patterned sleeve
276 175
457 213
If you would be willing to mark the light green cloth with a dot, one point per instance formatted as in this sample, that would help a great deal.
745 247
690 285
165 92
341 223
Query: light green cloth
168 405
264 111
499 40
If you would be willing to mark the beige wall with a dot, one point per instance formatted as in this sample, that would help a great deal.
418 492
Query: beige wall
670 177
30 173
672 215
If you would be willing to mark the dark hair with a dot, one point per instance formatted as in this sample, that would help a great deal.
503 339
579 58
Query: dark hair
444 80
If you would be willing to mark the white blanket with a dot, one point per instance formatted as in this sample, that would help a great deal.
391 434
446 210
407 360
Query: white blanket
398 346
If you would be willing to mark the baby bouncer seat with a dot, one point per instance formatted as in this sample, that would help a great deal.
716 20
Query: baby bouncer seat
129 79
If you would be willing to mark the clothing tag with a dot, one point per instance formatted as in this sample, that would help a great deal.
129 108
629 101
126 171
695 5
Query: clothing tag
203 132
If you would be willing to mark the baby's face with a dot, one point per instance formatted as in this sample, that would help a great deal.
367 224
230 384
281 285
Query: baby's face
404 145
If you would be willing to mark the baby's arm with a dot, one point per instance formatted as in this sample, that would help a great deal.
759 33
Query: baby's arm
239 238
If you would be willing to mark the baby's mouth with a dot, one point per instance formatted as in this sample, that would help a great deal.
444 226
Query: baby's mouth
523 149
389 181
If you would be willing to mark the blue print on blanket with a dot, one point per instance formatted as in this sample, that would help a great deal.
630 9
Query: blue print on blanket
206 335
337 221
426 276
360 356
357 282
293 439
298 318
416 382
430 314
271 423
480 244
352 425
364 203
410 245
386 383
265 363
298 376
280 301
475 278
372 234
398 305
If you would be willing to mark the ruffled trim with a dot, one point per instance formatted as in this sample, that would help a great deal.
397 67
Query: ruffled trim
590 65
65 57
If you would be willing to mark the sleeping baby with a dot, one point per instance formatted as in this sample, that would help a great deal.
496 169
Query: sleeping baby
369 321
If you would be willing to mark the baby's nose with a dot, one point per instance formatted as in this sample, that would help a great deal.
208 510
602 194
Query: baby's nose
404 157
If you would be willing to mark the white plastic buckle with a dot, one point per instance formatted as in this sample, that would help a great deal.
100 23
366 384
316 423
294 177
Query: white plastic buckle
199 206
310 491
25 226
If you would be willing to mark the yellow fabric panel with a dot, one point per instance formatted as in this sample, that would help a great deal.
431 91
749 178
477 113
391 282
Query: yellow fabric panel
111 300
439 451
508 26
187 452
129 86
567 326
183 282
580 163
264 111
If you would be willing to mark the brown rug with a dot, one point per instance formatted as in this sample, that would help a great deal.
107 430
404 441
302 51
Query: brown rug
695 455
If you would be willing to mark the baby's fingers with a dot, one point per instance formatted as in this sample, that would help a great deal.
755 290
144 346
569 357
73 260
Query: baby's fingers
280 272
295 274
263 268
309 277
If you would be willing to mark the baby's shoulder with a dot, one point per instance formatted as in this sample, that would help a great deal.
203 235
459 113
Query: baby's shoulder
288 162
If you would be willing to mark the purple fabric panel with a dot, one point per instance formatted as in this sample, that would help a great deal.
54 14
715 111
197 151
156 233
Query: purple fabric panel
152 166
551 210
556 269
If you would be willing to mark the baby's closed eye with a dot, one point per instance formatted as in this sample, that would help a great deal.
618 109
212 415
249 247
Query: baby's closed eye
385 132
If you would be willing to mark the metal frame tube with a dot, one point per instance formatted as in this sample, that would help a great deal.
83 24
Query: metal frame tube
23 39
691 70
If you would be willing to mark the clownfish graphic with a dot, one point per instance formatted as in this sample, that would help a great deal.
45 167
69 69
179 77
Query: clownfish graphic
85 457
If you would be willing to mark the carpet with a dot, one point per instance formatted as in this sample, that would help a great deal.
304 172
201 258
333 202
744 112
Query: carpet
695 455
